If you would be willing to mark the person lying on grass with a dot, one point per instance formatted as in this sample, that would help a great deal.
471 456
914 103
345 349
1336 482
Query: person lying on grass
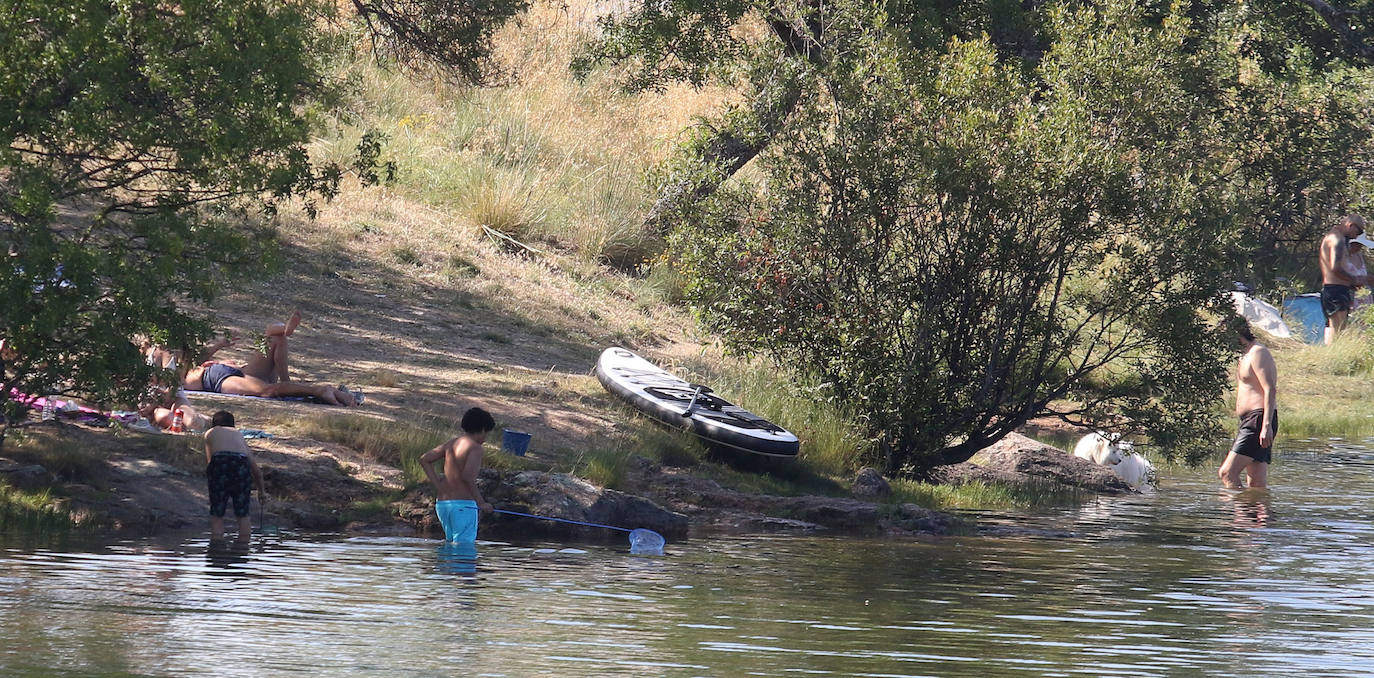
266 375
161 411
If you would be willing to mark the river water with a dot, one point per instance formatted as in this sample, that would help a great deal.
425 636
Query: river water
1185 581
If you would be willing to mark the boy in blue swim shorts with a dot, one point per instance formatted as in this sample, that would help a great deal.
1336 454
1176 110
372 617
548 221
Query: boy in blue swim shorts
459 500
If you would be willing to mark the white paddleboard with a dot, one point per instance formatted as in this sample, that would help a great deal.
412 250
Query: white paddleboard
678 403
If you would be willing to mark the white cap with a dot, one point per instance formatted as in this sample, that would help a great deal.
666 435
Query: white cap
1363 240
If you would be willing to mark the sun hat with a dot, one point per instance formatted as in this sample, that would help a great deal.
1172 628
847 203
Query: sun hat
1363 240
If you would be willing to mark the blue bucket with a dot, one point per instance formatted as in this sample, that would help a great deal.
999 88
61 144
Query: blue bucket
515 442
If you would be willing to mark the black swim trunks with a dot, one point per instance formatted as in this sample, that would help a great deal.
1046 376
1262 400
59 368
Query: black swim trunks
212 378
1336 298
1248 437
229 477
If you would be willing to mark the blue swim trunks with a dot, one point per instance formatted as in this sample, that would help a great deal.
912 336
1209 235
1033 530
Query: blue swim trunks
459 518
212 378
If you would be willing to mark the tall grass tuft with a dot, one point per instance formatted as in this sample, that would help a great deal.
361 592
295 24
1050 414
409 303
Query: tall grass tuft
1350 354
27 512
1324 391
984 495
397 443
832 443
545 158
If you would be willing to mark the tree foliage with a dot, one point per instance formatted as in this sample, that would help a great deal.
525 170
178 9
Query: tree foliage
142 143
450 39
1316 52
954 241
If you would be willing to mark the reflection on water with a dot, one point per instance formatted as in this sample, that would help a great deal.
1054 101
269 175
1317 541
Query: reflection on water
1251 506
1185 581
457 558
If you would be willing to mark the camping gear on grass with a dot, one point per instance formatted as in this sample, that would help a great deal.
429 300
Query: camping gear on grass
1261 315
515 442
1306 312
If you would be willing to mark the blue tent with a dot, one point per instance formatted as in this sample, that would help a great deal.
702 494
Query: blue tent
1305 310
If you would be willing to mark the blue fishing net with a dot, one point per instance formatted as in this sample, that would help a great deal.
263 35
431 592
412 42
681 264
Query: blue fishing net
646 542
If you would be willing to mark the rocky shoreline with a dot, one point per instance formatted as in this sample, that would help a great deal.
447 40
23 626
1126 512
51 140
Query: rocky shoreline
318 487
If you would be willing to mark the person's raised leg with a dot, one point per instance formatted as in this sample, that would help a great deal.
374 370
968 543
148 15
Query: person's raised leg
286 329
277 351
271 366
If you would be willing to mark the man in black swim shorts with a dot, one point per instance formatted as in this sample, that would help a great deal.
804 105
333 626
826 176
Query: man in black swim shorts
1256 398
1338 286
1248 438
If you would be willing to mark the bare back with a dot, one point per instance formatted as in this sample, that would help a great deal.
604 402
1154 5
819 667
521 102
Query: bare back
1332 254
224 439
1256 380
462 461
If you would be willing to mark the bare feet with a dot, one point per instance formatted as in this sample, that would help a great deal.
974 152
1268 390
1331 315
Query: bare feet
342 397
286 329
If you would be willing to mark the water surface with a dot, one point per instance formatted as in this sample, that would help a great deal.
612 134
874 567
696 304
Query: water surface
1185 581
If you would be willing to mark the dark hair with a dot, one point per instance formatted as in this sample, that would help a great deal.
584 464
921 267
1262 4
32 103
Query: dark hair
1241 327
222 418
477 420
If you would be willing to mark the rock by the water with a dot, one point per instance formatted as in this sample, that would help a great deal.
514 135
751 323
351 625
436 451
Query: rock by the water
307 517
1017 531
25 476
921 520
965 473
713 506
1018 454
558 495
870 483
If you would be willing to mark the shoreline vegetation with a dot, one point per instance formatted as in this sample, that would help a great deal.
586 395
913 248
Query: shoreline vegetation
1321 389
1321 395
505 253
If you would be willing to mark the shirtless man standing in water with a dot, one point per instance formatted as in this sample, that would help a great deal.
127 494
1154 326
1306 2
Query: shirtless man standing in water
1256 397
1338 286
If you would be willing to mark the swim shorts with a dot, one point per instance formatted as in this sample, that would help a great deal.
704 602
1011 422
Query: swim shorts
229 477
1247 438
1336 298
213 377
459 518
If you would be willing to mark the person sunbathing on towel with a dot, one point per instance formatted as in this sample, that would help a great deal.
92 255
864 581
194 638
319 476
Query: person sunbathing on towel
266 375
162 411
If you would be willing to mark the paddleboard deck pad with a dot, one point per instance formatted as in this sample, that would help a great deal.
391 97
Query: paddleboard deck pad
667 398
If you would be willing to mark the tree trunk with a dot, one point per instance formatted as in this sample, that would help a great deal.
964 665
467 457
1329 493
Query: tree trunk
743 136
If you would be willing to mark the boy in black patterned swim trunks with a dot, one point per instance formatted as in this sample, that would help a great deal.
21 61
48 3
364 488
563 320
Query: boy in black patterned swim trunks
1256 398
229 470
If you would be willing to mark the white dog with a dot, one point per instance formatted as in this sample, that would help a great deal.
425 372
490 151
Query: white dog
1136 470
1101 448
